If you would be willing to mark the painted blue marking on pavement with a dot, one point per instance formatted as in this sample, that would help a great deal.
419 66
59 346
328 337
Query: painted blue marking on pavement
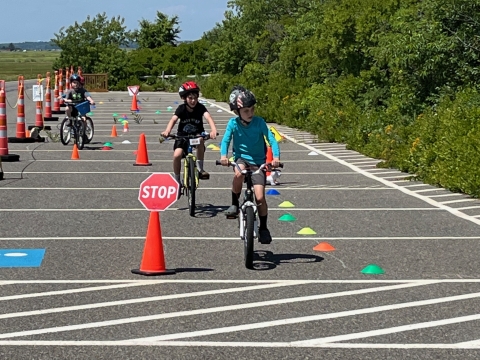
21 257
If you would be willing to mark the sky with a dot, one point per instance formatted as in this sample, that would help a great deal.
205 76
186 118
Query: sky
33 20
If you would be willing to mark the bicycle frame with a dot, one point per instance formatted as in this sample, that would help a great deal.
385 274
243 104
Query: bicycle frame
248 201
190 176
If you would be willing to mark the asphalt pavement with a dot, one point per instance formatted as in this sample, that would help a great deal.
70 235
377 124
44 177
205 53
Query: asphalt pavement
80 229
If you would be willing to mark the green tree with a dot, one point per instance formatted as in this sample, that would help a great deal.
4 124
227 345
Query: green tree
89 43
162 31
11 47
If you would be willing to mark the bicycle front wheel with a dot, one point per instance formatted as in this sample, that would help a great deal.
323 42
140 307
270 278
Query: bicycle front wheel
88 130
80 135
192 186
249 223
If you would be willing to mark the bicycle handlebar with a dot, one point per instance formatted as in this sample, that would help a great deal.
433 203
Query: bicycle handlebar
204 135
260 168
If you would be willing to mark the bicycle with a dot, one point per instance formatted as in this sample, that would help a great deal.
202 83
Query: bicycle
247 214
190 181
66 130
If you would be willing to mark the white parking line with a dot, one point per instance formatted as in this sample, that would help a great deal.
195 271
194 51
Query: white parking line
236 238
302 319
213 208
234 344
220 309
385 331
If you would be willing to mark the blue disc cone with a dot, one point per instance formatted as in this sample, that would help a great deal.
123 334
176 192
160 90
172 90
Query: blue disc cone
272 192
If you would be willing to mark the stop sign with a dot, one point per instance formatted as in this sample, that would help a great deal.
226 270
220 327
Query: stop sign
158 191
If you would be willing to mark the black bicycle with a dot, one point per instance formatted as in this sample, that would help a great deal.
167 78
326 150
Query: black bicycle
247 215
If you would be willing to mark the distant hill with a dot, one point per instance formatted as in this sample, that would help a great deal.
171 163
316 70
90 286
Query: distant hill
47 45
31 45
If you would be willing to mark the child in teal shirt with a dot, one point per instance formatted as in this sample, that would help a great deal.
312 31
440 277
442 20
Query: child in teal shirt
249 149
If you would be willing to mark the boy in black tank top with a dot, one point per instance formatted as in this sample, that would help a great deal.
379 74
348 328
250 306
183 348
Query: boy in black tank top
191 114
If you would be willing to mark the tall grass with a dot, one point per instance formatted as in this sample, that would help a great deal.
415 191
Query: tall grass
29 64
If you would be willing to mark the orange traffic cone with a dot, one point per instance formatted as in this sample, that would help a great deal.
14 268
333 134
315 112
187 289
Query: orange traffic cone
324 247
114 131
153 259
269 159
142 155
134 106
75 155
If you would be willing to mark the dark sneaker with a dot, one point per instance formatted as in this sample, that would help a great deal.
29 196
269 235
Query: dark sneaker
231 212
203 175
264 236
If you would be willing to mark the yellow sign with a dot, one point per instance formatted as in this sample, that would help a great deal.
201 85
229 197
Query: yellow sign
277 135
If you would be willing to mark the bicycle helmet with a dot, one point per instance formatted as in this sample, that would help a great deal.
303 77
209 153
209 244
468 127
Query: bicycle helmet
75 77
240 93
188 87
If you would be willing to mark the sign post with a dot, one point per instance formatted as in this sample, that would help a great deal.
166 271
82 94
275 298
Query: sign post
157 193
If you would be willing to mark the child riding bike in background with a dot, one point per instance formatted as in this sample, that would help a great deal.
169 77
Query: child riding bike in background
191 114
249 149
76 95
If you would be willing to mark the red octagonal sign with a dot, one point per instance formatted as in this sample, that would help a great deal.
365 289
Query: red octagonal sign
158 191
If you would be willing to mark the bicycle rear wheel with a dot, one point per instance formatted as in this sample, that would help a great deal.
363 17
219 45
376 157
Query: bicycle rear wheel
65 131
192 186
249 222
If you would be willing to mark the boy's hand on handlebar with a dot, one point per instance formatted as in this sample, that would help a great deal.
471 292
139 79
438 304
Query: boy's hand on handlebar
165 134
276 162
213 134
224 161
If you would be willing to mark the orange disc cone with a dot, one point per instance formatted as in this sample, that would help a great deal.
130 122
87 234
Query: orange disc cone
114 131
134 106
75 155
153 259
142 155
324 247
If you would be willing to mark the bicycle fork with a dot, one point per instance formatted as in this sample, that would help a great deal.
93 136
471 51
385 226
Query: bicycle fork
241 219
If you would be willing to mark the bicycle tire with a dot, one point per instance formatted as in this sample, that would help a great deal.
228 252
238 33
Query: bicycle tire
89 134
63 134
80 135
249 224
191 186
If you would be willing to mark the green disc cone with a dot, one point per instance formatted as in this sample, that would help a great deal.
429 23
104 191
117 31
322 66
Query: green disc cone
373 269
90 113
158 112
115 115
210 146
287 217
109 144
286 204
306 231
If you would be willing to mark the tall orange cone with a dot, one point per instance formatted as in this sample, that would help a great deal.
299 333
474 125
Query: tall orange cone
269 159
134 106
142 155
114 131
153 259
75 155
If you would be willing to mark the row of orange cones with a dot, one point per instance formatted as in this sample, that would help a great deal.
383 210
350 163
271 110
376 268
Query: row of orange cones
142 153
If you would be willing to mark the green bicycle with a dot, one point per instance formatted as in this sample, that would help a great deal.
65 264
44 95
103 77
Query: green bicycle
190 171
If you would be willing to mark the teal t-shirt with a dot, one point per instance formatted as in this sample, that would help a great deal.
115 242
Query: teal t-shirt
249 140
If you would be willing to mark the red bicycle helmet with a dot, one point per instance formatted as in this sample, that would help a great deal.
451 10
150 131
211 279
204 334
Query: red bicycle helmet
188 87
